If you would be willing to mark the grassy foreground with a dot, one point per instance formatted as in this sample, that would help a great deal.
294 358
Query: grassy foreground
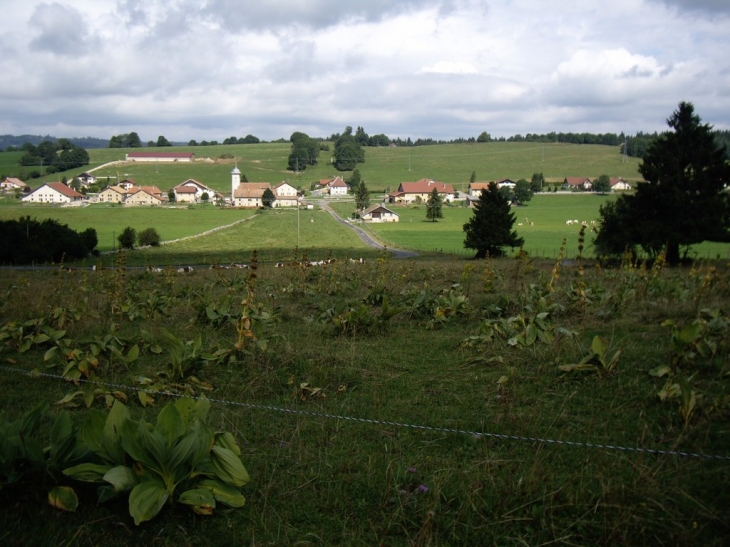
447 344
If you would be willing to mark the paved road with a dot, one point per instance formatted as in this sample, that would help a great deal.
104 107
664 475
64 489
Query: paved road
365 237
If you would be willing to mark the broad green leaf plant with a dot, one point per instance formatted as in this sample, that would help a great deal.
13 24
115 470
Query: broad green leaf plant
179 459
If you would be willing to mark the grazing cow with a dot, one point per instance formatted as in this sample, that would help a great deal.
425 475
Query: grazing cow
241 266
185 269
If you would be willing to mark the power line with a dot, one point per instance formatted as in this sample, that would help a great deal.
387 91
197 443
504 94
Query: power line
371 421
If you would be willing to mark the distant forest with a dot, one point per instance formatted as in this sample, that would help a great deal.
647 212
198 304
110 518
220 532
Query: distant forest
636 145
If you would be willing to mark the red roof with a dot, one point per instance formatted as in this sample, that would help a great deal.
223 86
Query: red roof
160 155
63 189
425 186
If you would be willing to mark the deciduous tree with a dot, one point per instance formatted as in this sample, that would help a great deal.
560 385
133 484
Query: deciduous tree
523 191
602 184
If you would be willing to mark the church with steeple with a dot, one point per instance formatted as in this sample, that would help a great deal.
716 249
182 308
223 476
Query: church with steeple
250 194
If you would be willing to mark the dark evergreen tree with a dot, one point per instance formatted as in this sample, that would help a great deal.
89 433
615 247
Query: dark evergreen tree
434 206
362 197
354 181
127 238
490 227
268 198
683 199
536 182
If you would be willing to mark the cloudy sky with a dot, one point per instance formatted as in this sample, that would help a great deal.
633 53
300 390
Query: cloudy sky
210 69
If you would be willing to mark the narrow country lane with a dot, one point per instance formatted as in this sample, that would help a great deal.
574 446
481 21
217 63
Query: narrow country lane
365 237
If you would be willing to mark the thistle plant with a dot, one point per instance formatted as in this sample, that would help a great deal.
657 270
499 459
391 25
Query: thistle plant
555 273
245 324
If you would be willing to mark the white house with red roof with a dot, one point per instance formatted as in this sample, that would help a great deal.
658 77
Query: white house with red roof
475 189
161 157
335 186
191 191
411 192
338 187
53 192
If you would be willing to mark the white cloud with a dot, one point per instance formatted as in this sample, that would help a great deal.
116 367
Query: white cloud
450 67
426 68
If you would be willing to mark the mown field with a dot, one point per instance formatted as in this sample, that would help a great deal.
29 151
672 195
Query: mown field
439 344
541 222
383 169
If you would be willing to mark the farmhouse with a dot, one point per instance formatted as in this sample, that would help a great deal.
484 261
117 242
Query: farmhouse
379 213
336 186
191 191
619 184
85 178
145 195
53 192
250 194
475 189
112 194
508 183
577 183
161 157
410 192
128 184
286 195
11 183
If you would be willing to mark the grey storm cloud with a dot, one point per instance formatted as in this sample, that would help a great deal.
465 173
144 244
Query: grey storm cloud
314 14
707 6
60 29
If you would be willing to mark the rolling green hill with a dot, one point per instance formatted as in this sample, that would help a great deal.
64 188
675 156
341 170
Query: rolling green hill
384 168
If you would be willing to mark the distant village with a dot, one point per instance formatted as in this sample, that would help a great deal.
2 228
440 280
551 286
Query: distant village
253 194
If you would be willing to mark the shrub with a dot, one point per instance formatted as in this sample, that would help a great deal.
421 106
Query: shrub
127 238
149 236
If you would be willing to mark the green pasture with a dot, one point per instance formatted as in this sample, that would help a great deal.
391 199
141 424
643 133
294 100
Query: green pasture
383 170
110 220
9 163
543 227
275 234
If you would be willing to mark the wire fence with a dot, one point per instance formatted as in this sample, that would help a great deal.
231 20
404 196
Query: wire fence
375 422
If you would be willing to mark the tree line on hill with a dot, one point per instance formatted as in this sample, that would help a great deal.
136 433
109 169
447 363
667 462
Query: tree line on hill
52 157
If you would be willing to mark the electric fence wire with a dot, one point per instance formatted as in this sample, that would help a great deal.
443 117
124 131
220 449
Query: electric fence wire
311 414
